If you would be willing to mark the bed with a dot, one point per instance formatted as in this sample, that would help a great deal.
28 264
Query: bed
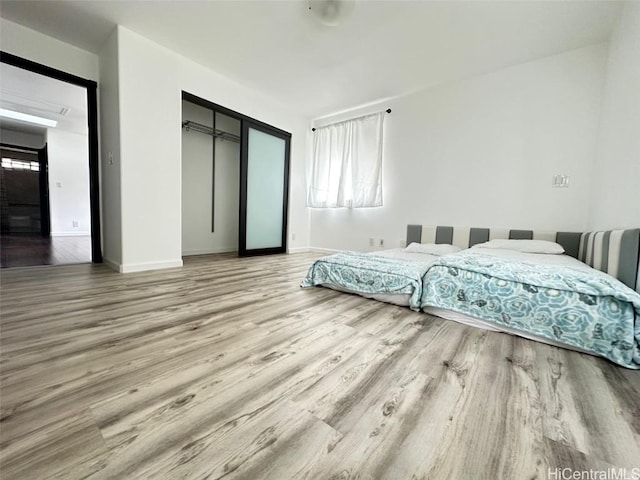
583 300
391 276
564 303
564 300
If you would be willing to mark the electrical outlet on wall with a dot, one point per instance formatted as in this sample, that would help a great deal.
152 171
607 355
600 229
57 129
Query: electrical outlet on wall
381 244
75 224
293 236
372 242
560 181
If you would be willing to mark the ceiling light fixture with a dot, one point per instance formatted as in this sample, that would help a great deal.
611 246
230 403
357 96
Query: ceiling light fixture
24 117
331 12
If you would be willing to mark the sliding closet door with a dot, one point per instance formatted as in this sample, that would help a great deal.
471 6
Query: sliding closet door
264 189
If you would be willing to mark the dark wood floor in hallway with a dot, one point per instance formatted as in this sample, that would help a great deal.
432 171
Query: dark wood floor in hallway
227 369
33 250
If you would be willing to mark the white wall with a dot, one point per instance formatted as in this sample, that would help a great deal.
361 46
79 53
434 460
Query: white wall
35 46
151 79
482 152
68 182
110 183
197 180
615 199
23 139
227 187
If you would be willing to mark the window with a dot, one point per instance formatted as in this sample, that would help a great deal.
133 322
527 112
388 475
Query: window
346 168
11 164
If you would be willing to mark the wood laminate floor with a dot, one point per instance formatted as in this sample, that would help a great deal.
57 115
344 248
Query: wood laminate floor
227 369
32 250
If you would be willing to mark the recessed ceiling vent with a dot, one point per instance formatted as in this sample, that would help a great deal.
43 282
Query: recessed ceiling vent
18 103
331 12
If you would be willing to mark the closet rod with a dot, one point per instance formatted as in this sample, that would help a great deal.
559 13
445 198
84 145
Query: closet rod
198 127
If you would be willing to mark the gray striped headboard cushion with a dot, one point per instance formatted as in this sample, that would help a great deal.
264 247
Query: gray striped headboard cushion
616 252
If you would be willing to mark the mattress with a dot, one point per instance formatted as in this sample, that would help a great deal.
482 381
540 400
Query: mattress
391 276
483 324
551 297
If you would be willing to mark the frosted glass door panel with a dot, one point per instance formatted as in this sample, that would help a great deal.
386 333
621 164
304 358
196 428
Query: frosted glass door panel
265 190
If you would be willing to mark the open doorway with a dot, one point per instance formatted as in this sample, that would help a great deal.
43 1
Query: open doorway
49 195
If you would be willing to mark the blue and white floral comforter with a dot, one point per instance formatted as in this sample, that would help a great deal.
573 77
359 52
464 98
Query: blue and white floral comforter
581 307
369 274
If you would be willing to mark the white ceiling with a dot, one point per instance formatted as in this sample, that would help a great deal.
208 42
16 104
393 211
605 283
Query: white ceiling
28 92
383 49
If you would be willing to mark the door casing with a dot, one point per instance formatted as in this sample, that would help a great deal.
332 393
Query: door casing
92 118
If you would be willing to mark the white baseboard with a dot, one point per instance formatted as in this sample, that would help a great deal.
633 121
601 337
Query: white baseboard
75 233
111 264
312 249
141 267
324 250
208 251
298 250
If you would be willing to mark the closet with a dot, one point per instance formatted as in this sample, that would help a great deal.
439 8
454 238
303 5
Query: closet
235 181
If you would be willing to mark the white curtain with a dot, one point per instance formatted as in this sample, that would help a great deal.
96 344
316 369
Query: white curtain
346 168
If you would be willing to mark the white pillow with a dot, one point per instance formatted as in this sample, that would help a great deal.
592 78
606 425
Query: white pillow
432 248
525 246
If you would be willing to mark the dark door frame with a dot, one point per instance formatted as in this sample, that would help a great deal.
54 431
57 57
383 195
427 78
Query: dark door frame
92 114
43 184
45 206
242 214
228 112
244 170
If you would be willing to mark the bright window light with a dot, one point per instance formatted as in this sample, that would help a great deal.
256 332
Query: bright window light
24 117
11 164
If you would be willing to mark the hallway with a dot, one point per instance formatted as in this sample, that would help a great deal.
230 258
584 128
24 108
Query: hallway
31 250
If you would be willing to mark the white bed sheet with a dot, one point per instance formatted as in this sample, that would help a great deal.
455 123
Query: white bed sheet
402 254
541 258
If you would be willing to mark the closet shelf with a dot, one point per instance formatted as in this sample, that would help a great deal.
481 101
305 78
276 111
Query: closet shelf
188 125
